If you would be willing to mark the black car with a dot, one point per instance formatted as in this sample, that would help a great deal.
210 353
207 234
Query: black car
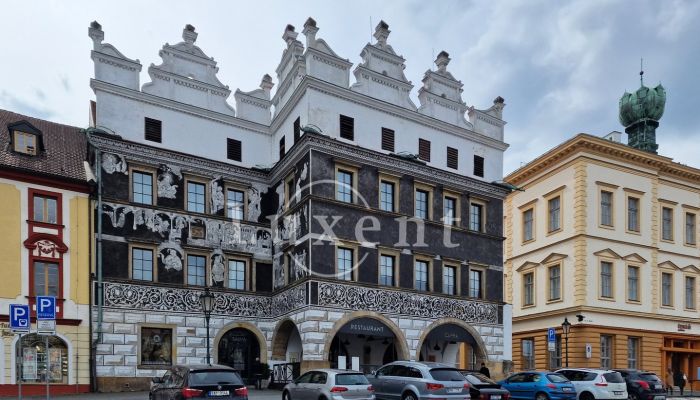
482 387
642 385
199 382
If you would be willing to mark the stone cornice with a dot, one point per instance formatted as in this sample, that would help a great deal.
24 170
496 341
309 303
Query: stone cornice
618 151
342 62
116 61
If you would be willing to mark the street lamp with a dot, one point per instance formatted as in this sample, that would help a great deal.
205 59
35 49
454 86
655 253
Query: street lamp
206 299
566 326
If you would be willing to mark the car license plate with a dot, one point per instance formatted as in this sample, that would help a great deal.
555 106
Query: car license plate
495 397
566 389
454 390
214 393
617 393
659 397
657 386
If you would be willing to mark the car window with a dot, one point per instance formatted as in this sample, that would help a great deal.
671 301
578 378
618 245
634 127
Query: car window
535 378
649 377
399 370
168 377
479 379
446 374
613 377
517 378
319 378
214 377
557 378
351 379
413 373
305 378
179 378
386 371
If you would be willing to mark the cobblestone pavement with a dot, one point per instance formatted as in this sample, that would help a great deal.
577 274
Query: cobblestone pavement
252 395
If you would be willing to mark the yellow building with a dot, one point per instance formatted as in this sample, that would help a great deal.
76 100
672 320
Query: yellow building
606 232
44 216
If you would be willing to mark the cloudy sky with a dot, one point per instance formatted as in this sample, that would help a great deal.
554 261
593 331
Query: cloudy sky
561 65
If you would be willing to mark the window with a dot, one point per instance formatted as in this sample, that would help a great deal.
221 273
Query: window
153 130
32 348
606 351
632 283
424 150
448 280
555 282
452 158
236 274
666 223
45 209
689 292
289 190
141 264
235 204
633 214
554 208
142 187
529 289
344 185
666 289
195 197
46 279
386 270
475 283
196 270
606 277
690 229
479 166
386 196
606 208
233 149
297 129
421 273
282 148
156 346
347 128
528 224
632 352
528 347
388 139
450 210
422 203
476 216
555 356
25 143
345 263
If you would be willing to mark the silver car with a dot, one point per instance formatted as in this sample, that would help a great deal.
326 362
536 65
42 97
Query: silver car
329 384
411 380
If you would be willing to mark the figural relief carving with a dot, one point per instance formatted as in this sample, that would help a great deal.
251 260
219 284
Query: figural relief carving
112 163
166 181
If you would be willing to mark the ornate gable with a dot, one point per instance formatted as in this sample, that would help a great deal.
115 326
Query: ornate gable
291 68
607 253
634 257
321 61
188 75
441 94
255 105
110 64
553 257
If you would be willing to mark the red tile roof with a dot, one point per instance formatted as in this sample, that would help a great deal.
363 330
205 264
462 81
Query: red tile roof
65 149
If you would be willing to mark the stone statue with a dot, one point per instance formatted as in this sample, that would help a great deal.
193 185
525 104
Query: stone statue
172 261
217 269
166 188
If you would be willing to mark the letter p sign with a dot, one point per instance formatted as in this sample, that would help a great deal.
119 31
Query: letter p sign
45 307
19 317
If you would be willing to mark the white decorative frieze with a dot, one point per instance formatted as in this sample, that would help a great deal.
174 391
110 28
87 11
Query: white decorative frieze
114 163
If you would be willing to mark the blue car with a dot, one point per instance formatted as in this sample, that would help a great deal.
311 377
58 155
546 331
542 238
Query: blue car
539 386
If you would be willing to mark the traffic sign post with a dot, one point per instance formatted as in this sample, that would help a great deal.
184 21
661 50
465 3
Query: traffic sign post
46 324
19 318
45 307
551 340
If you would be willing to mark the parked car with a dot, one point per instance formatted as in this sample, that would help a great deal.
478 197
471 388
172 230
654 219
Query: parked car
642 385
539 386
481 387
417 380
327 384
199 382
596 384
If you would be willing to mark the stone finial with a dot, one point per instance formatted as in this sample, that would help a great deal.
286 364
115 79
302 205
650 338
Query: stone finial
289 35
498 104
381 33
442 60
309 31
189 35
96 34
266 84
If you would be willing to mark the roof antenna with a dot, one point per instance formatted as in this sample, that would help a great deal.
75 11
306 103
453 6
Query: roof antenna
370 29
641 71
430 66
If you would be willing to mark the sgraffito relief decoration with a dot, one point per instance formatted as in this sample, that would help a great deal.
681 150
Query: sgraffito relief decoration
397 302
278 270
254 197
167 178
155 298
217 195
114 163
298 268
300 182
292 227
280 198
217 268
171 256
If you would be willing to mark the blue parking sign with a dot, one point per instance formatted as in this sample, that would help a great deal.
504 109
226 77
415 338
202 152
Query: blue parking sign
19 317
551 335
45 307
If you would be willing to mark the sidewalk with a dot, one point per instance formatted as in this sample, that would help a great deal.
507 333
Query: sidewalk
253 394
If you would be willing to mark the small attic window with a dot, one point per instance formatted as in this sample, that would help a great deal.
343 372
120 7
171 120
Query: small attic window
25 143
25 138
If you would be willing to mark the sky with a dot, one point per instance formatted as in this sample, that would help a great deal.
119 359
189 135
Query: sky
561 66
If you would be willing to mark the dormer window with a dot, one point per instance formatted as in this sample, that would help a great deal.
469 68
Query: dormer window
25 138
25 143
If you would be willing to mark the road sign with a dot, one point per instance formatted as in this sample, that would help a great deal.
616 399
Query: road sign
46 326
589 350
45 307
19 317
551 339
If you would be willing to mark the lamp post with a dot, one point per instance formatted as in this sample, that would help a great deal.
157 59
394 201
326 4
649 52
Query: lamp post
566 326
206 299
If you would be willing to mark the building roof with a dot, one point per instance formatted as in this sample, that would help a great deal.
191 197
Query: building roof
64 149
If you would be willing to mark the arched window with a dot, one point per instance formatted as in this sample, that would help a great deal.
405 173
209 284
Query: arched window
33 357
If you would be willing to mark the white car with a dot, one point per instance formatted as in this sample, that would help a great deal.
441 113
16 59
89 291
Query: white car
596 384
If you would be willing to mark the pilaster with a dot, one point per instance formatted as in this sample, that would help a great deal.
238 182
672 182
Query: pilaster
580 223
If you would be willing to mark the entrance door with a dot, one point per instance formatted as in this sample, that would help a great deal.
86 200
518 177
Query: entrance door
239 349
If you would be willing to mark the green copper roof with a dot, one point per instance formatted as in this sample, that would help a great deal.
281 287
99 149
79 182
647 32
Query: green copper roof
643 104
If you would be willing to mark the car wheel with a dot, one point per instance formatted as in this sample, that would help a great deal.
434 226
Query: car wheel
541 396
586 396
409 396
632 396
322 398
286 396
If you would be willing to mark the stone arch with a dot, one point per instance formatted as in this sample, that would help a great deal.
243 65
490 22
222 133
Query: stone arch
280 337
482 354
402 348
245 325
72 376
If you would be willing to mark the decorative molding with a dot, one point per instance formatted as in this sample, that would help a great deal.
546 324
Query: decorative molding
401 302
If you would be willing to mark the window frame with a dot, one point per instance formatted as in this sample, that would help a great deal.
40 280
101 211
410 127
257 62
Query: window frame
694 297
628 267
601 295
452 154
384 252
610 341
606 188
528 361
154 254
246 272
483 165
59 277
482 223
455 278
428 145
35 193
353 252
173 345
25 135
207 274
236 188
525 239
348 121
533 294
665 206
557 354
386 136
429 270
671 294
396 183
457 222
637 346
429 201
549 268
633 194
199 181
686 214
558 194
482 281
353 171
237 144
133 169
